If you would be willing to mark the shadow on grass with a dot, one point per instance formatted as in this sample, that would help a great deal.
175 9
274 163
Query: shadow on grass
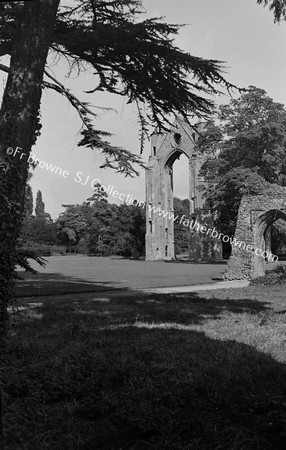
45 284
128 305
184 309
210 262
75 386
173 261
119 306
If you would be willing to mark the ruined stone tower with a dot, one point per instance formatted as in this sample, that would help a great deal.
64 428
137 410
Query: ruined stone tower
165 149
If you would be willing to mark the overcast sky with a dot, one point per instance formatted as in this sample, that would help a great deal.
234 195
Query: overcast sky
239 32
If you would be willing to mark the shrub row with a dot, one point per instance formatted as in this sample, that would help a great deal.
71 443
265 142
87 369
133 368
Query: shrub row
44 249
275 276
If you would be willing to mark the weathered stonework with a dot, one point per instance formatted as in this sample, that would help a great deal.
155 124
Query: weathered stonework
204 247
255 216
165 149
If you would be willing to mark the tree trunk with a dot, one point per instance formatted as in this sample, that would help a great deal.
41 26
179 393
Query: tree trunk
19 126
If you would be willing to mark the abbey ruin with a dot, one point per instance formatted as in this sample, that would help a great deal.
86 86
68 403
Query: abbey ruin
165 149
255 217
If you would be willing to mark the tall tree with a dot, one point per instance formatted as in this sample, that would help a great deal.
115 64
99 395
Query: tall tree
98 195
128 231
40 205
72 224
132 58
29 204
244 149
30 38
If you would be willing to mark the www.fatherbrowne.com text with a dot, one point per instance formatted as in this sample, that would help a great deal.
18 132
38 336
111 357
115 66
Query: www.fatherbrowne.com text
195 225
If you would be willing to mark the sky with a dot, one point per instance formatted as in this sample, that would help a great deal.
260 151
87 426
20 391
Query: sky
239 32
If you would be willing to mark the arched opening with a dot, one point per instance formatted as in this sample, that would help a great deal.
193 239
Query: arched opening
263 238
173 170
178 166
278 239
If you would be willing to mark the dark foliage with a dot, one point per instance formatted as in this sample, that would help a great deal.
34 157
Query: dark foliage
40 249
278 7
181 233
40 205
129 57
103 229
25 253
38 229
275 276
244 149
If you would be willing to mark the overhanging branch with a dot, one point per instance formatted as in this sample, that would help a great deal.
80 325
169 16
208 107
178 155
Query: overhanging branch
116 158
81 107
4 68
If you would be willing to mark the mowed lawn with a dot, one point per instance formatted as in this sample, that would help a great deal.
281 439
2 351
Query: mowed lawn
117 272
133 371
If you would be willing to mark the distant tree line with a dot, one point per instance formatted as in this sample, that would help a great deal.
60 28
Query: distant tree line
94 227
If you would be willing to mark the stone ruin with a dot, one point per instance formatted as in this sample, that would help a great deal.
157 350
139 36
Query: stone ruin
255 217
166 148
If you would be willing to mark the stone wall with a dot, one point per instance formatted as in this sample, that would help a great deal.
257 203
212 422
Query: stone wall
165 149
256 214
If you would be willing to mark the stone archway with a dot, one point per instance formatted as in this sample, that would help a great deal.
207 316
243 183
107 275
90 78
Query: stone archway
250 244
165 149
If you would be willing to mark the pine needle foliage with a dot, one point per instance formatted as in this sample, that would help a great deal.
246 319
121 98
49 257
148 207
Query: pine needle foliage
133 58
278 7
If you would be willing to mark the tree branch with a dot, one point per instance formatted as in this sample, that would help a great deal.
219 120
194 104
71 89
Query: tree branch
4 68
80 106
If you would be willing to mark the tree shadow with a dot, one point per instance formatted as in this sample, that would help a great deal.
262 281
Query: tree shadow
172 261
207 262
193 391
186 308
43 284
191 308
164 387
147 388
207 393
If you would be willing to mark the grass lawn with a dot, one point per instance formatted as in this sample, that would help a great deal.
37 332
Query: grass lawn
132 371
